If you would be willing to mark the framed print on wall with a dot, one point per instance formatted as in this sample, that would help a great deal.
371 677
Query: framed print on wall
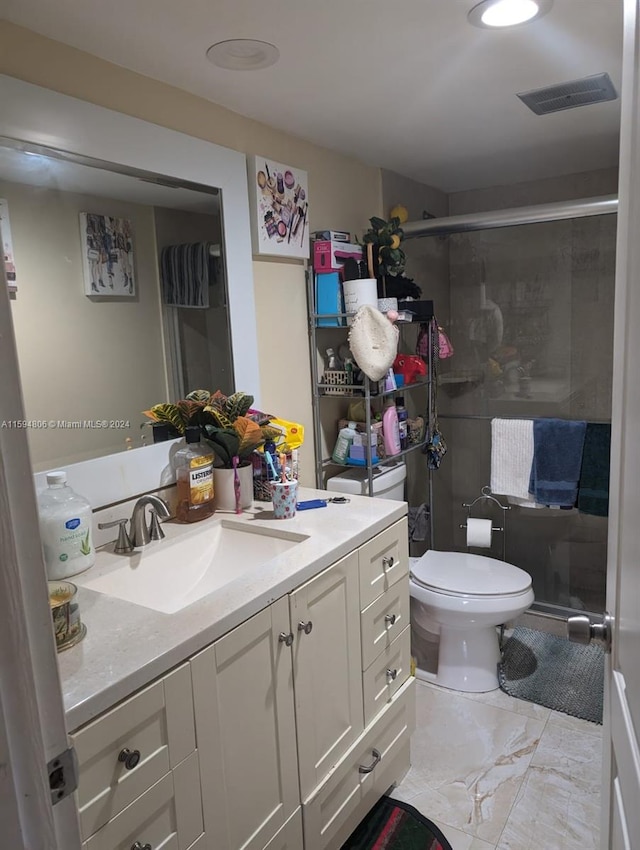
107 255
279 208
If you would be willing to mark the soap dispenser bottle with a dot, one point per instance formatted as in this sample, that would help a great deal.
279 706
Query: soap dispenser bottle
194 478
65 528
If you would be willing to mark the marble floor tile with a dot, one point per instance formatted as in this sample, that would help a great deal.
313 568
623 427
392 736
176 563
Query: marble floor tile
586 727
468 761
558 804
499 699
462 840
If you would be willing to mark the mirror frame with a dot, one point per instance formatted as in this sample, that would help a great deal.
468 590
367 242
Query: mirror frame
40 116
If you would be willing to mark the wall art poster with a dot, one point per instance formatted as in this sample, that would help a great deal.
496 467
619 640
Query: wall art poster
7 246
107 255
280 208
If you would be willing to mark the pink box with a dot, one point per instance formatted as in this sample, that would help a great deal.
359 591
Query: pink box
330 256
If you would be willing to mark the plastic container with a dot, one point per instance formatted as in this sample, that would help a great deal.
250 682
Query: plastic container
65 527
390 428
403 423
194 478
343 443
388 481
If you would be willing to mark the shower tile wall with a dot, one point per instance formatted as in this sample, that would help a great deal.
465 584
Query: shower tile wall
532 327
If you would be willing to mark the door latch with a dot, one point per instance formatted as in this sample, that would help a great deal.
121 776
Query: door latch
63 775
580 629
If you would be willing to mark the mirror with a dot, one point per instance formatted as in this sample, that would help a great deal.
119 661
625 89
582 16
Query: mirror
97 343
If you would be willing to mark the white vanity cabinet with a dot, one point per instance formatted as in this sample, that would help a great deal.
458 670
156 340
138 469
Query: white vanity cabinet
291 725
245 722
139 772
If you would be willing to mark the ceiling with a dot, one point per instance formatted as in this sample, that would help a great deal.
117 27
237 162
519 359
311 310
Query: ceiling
407 85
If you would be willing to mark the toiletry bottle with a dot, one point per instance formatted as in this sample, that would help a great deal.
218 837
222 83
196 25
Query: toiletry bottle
403 423
390 428
194 478
65 527
343 443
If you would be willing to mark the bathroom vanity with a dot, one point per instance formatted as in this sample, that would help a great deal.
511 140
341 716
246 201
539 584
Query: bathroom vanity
272 712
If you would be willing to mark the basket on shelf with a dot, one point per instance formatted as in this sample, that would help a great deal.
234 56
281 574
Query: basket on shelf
338 380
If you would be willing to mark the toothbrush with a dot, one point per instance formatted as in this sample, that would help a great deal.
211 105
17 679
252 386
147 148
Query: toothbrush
269 460
236 483
283 467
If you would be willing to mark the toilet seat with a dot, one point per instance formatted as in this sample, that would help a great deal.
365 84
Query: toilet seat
463 574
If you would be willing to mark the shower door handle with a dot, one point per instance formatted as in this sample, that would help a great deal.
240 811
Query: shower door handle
580 629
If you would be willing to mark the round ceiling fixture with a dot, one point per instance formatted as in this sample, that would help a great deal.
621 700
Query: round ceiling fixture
497 14
243 54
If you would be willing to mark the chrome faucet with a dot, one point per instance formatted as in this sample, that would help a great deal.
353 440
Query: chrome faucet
140 533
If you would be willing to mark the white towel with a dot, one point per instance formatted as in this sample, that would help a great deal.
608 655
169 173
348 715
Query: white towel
511 459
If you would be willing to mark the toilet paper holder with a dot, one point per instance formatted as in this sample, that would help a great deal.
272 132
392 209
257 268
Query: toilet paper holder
486 495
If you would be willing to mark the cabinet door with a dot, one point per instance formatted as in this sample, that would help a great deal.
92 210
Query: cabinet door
243 701
325 615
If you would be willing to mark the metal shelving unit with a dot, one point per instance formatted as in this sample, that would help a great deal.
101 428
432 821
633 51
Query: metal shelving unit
354 391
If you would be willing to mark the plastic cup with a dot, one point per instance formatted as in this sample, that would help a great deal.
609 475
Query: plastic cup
284 495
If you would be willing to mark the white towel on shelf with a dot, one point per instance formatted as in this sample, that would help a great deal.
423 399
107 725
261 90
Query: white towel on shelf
511 459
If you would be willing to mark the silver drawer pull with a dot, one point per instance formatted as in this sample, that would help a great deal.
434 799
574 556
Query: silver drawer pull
391 674
305 627
286 639
390 619
130 758
368 768
387 563
139 846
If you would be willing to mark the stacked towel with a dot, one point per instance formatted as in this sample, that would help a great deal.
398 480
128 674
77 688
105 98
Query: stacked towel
185 273
557 459
511 459
593 487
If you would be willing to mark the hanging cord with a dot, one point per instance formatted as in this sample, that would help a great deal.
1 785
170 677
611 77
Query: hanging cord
428 344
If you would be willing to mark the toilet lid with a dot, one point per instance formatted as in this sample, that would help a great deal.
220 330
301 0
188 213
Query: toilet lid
466 574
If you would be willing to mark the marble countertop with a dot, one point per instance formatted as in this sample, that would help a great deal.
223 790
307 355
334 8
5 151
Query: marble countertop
127 645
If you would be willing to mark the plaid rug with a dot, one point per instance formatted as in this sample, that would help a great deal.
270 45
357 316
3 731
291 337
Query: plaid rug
392 825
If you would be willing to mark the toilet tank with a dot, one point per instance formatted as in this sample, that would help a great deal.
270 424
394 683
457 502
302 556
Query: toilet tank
388 481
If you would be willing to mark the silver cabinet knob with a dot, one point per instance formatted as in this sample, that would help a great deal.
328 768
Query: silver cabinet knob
388 562
580 629
368 768
391 674
130 758
286 639
390 619
305 627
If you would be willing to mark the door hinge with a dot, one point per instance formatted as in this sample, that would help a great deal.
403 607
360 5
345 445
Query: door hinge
63 775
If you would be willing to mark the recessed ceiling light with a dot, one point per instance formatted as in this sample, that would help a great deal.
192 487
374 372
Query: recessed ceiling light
243 54
507 13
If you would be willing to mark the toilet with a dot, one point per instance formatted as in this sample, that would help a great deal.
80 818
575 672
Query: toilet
463 598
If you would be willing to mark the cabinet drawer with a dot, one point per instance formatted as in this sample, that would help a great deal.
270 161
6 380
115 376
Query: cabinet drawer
168 815
157 723
383 621
385 676
382 562
337 806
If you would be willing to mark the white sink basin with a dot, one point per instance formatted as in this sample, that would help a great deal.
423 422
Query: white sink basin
167 575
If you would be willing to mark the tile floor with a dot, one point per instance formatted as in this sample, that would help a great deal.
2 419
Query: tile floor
498 773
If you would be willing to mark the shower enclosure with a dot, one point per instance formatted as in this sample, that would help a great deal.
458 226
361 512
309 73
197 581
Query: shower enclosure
531 321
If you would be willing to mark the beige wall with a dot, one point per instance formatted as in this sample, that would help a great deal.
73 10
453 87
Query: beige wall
343 192
81 357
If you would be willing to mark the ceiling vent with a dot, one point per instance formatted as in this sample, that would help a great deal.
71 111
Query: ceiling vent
595 89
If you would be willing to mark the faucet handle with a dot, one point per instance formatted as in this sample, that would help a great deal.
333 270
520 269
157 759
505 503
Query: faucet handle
155 529
123 544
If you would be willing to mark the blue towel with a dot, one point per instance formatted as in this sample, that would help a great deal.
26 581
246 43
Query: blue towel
557 458
593 489
186 272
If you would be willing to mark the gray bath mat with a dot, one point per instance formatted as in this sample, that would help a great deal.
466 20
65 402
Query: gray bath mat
552 671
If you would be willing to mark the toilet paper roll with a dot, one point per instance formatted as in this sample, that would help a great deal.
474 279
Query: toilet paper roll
479 533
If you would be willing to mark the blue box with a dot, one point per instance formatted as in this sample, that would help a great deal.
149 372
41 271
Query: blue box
329 299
